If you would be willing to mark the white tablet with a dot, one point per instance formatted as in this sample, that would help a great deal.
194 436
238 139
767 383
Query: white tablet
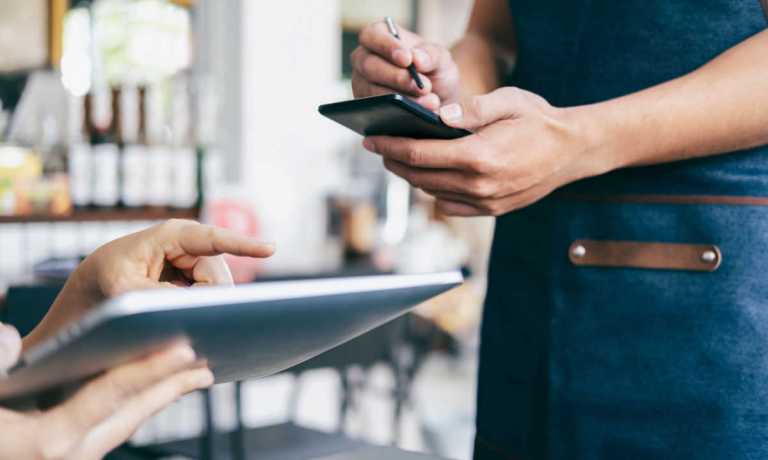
244 332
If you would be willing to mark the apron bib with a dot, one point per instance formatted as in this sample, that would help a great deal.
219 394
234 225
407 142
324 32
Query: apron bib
627 315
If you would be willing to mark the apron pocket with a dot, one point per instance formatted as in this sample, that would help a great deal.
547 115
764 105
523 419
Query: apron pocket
648 255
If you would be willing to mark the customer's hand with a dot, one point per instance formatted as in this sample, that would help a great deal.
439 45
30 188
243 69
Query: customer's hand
103 413
380 66
176 253
522 149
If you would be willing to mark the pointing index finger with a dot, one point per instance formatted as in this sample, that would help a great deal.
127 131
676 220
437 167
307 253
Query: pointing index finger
206 240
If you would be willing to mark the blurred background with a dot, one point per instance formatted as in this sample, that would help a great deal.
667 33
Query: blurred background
117 114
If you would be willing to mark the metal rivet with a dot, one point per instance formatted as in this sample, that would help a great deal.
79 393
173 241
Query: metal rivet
579 251
708 256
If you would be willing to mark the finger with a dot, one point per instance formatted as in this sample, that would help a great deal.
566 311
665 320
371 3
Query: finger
377 70
207 240
430 101
115 430
10 347
128 284
482 206
497 206
478 111
363 88
428 58
211 271
377 39
423 153
430 179
452 196
524 198
459 209
104 396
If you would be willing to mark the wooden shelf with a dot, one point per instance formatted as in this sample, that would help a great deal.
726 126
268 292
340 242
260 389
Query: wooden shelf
184 3
107 215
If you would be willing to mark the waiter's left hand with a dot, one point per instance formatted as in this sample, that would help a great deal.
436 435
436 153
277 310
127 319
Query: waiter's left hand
522 149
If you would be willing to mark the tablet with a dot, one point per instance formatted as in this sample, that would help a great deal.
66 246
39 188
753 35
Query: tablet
244 332
390 115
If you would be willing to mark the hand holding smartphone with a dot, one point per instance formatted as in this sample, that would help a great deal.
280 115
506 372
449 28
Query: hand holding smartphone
390 115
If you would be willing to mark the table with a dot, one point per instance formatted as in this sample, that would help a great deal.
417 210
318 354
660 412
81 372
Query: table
286 441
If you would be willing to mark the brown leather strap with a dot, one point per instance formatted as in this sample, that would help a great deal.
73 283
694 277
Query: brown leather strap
668 199
765 7
636 254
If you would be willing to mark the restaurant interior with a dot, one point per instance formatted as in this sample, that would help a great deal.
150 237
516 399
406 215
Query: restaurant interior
119 114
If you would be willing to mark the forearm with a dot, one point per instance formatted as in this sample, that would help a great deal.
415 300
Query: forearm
73 301
719 108
477 58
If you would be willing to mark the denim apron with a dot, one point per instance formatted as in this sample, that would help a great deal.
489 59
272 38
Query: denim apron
627 315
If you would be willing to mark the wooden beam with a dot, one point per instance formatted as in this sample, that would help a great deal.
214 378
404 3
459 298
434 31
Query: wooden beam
184 3
58 9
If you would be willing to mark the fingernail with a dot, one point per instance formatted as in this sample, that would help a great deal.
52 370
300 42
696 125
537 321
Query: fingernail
422 57
368 144
183 354
10 343
432 100
425 87
401 57
9 338
204 378
451 112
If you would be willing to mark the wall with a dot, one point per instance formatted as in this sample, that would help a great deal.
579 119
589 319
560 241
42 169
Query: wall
291 64
290 154
444 21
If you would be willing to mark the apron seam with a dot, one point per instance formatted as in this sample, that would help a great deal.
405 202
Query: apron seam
728 200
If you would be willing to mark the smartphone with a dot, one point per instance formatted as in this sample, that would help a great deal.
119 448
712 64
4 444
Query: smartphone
390 115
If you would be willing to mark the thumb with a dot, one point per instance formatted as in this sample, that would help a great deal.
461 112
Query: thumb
478 111
211 271
10 347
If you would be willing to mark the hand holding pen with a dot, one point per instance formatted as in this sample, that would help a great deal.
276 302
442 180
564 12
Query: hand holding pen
394 60
411 68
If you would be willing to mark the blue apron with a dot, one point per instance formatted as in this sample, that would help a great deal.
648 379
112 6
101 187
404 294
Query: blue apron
627 315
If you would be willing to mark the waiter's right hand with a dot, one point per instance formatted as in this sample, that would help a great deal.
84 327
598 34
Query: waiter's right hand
380 66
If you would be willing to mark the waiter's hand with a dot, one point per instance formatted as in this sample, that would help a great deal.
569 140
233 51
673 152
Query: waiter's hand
522 150
177 253
380 66
104 412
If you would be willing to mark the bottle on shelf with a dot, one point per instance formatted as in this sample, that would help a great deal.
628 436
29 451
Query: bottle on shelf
105 151
79 155
160 155
55 184
204 122
135 156
50 149
184 156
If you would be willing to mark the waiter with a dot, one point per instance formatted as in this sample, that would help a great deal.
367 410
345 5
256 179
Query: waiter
625 155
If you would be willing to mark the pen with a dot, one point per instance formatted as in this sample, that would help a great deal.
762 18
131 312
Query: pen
411 69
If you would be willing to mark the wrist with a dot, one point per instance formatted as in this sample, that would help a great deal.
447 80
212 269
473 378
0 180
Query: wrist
598 151
78 294
84 283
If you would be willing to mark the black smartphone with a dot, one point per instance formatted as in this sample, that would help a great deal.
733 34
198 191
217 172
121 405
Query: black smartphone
390 115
